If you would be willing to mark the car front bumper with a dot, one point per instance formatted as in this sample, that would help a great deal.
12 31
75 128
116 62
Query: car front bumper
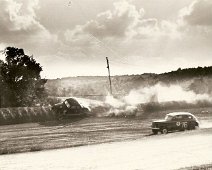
155 128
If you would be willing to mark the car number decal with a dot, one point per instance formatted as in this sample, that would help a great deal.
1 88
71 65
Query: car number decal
184 124
178 123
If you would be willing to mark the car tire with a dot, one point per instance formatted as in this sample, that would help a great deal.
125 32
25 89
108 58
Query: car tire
191 127
164 131
185 128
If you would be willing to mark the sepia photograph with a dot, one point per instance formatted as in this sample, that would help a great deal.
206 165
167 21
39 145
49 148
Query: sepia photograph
106 84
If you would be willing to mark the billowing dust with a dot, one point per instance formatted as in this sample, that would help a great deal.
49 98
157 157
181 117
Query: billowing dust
132 103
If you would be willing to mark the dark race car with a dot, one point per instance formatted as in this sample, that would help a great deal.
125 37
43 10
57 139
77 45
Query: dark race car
69 108
176 121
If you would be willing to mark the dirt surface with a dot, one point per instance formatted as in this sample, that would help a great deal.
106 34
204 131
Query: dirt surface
76 132
69 133
132 146
171 151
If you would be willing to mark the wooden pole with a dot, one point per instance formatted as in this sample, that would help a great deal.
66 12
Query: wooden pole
108 67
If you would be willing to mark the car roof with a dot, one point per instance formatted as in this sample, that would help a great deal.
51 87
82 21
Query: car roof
179 113
72 101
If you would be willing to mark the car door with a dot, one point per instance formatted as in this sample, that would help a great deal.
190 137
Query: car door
174 123
178 122
191 121
184 122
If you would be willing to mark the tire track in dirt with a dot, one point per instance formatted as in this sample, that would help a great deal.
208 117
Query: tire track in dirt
51 135
158 152
68 133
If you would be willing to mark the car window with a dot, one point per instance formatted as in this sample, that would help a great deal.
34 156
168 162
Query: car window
67 104
174 118
185 116
168 117
189 117
178 117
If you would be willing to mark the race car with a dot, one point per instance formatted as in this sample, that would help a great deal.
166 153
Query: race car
176 121
69 108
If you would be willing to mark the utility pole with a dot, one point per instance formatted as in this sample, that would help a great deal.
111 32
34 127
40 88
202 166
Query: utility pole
108 67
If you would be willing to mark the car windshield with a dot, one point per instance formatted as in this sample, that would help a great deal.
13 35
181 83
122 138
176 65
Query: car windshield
195 118
67 104
168 117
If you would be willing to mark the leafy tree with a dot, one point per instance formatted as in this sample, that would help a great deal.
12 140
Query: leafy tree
21 74
1 85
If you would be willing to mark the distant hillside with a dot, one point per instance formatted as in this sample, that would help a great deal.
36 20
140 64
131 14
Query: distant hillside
196 79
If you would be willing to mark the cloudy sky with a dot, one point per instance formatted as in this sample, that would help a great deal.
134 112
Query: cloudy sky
73 37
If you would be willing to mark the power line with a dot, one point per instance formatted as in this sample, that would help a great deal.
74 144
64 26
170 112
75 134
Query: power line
124 63
103 44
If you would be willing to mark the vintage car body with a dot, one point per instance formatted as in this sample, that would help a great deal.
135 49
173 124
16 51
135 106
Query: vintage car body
69 108
176 121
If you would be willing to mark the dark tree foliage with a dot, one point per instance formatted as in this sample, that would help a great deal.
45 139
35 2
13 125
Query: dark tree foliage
183 74
21 74
191 72
2 88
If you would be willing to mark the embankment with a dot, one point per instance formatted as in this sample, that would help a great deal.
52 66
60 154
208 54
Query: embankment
153 110
18 115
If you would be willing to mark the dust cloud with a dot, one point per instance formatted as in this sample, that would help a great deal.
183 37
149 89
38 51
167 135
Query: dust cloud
161 93
131 104
205 124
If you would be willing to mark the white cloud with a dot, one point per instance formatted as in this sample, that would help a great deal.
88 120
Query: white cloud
199 13
120 31
117 29
19 22
126 30
195 22
123 21
16 16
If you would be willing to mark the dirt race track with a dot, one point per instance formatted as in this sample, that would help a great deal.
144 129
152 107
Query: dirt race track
70 133
132 145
